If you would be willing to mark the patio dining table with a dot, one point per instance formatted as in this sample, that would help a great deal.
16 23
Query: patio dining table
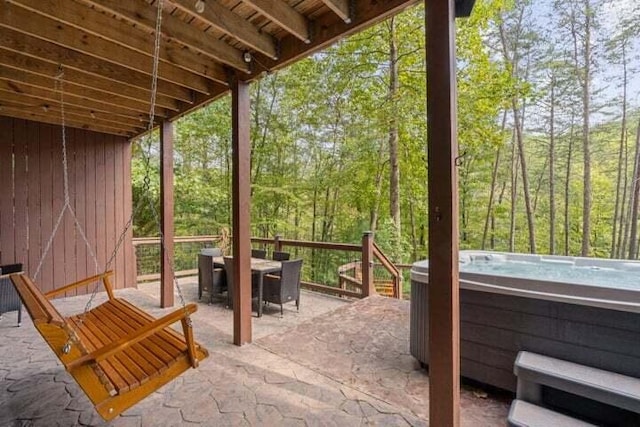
259 267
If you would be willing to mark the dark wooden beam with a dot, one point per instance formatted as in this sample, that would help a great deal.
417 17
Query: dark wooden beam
56 31
340 8
284 16
444 303
329 29
44 50
166 213
226 21
241 186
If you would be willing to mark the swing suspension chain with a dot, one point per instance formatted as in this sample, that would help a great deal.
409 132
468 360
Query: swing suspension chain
59 87
147 168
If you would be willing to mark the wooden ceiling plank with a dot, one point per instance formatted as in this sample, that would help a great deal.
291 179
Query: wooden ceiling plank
78 116
14 99
284 16
70 87
52 119
144 16
111 88
39 26
41 49
78 101
340 8
230 23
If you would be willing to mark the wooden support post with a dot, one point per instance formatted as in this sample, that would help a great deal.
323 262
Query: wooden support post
368 287
166 213
444 306
241 177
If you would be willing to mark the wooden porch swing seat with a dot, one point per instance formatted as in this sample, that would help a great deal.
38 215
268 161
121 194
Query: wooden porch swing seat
117 353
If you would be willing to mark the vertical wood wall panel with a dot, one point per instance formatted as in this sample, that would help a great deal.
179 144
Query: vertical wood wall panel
109 208
32 196
20 197
46 204
6 190
90 203
33 202
79 201
58 201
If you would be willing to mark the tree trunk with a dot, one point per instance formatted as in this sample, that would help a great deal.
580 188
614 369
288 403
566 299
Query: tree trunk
514 192
633 235
552 153
567 191
394 169
584 75
617 212
518 123
624 218
494 176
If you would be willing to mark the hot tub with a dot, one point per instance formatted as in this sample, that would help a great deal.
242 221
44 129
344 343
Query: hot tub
585 310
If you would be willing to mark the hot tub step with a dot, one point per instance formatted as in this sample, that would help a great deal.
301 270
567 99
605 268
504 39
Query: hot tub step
535 370
524 414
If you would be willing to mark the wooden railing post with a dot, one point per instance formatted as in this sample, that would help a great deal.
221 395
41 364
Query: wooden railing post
368 287
277 245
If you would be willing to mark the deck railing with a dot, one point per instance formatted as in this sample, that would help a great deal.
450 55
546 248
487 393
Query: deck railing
323 267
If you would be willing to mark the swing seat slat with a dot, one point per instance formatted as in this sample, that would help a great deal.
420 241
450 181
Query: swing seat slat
119 354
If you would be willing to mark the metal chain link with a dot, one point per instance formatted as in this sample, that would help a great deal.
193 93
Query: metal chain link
59 87
147 164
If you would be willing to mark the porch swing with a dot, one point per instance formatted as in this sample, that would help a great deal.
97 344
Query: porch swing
117 353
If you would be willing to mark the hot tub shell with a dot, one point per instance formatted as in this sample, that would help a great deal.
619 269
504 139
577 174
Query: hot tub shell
499 316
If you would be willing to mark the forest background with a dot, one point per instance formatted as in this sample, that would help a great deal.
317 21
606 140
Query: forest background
549 137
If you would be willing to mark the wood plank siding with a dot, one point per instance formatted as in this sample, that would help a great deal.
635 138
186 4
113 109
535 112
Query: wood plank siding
31 197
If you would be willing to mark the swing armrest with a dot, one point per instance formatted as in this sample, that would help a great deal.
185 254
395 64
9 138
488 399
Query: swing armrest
84 282
135 337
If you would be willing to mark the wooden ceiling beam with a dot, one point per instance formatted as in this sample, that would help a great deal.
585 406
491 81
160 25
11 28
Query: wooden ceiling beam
41 49
27 22
52 119
176 30
228 22
70 113
284 16
329 30
78 101
118 90
48 83
340 8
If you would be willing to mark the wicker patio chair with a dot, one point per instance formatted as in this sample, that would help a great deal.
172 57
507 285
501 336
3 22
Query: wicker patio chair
286 287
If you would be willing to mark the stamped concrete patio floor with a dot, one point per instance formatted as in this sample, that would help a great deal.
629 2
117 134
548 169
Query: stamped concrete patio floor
332 364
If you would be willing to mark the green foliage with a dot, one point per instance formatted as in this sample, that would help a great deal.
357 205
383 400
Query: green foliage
320 155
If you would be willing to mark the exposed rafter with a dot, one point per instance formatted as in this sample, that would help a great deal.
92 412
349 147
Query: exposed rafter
47 83
141 15
340 8
108 39
106 49
28 65
22 90
284 16
41 49
71 113
224 20
54 119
